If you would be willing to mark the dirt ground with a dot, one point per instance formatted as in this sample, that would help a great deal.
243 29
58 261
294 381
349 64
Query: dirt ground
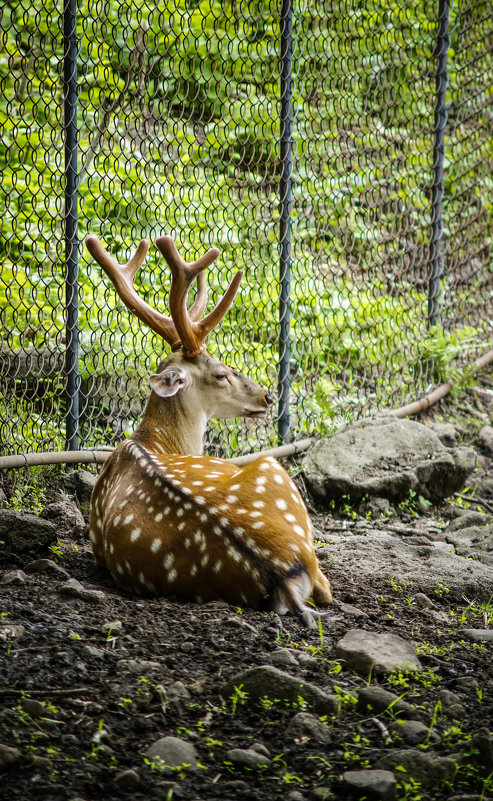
86 686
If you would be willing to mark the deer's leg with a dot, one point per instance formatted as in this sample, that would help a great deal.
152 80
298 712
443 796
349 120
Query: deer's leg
321 593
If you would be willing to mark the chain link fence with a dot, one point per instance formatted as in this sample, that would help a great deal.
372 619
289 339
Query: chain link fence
339 155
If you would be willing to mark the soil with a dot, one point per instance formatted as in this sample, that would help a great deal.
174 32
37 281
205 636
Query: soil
112 676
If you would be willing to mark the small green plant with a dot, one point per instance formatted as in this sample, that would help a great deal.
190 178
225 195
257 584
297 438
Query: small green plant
56 551
239 697
441 590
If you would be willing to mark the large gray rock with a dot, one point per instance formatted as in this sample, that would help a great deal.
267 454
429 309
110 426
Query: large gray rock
22 531
386 457
421 567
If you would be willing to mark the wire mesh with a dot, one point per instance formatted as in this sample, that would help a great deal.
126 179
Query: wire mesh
179 131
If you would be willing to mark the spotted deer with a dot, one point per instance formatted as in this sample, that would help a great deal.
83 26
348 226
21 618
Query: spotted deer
167 520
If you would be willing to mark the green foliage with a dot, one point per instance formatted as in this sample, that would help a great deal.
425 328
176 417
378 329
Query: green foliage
179 133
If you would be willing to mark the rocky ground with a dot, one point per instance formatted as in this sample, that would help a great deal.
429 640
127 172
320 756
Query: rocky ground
104 696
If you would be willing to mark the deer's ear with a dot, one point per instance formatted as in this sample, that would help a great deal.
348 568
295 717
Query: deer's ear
169 382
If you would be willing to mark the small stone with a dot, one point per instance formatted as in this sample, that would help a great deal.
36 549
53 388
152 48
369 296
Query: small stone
352 611
478 635
8 756
112 627
247 758
260 748
452 705
173 752
377 700
74 589
187 647
269 681
138 665
128 780
423 767
33 708
91 652
372 784
47 566
283 657
178 692
13 577
365 652
413 732
294 795
304 727
10 632
422 601
306 660
486 438
83 483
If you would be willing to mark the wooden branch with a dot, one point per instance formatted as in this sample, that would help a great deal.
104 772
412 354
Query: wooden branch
443 390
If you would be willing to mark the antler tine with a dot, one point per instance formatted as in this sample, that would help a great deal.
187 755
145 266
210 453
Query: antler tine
192 331
122 276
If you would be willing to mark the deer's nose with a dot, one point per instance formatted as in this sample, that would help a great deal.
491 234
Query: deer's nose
269 400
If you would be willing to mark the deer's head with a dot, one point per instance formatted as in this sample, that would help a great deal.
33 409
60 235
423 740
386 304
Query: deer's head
189 377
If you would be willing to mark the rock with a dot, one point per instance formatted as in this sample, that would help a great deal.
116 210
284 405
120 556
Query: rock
486 438
91 652
466 520
422 567
3 498
304 726
283 657
386 457
83 483
482 744
422 601
32 707
10 632
112 627
66 516
478 635
8 756
47 566
13 577
247 758
473 541
138 665
446 433
74 589
21 531
260 748
128 780
423 767
269 681
374 785
178 692
365 652
412 732
306 660
351 611
173 752
376 700
452 705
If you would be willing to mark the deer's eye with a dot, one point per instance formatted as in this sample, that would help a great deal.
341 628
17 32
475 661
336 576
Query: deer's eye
222 377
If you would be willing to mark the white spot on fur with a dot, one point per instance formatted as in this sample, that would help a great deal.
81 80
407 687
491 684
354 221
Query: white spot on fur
281 504
172 575
168 560
128 519
135 534
159 516
156 544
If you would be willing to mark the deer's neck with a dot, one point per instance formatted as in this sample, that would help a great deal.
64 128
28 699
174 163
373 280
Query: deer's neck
170 427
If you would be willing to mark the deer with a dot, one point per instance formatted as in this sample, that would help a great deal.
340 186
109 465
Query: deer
167 520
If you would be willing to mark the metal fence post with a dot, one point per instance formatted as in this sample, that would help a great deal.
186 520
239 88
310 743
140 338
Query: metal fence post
285 194
436 257
70 100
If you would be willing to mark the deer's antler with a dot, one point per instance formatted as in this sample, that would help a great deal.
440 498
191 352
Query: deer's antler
184 328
